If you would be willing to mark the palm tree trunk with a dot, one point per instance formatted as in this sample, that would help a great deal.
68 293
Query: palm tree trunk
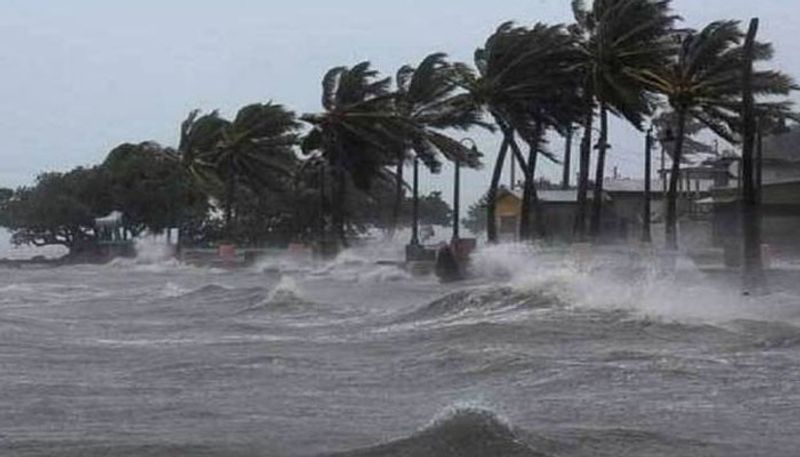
491 219
398 199
751 214
597 203
674 178
341 202
230 188
323 207
567 159
583 175
529 195
759 161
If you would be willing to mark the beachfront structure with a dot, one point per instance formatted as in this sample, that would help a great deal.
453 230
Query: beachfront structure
558 209
110 228
624 206
112 238
780 222
782 157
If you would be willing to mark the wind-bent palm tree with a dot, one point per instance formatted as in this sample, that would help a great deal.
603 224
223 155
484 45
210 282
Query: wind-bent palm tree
199 135
429 99
555 104
358 133
519 68
254 149
704 82
619 40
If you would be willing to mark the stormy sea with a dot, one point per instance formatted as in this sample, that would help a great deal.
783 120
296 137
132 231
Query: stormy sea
543 353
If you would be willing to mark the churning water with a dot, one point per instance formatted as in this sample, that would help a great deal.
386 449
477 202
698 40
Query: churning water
546 354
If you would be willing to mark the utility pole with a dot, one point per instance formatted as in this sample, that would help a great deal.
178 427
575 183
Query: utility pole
647 236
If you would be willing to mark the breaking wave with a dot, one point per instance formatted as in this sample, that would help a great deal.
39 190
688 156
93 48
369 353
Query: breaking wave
627 280
483 301
285 296
464 433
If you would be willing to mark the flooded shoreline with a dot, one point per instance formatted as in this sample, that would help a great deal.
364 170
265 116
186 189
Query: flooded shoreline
533 357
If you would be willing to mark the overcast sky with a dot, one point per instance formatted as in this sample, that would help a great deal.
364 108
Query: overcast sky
81 76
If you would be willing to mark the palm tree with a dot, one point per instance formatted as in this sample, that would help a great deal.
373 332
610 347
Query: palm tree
516 70
704 82
619 40
556 104
199 135
358 133
428 98
254 149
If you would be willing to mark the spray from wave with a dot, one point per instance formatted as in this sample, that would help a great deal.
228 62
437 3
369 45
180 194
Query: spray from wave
626 280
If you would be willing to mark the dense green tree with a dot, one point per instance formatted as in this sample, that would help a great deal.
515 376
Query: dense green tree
60 209
704 82
5 199
151 189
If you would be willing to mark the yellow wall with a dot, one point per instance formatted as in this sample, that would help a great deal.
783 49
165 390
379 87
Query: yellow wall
508 205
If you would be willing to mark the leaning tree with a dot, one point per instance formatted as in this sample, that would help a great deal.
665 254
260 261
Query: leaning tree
430 100
704 82
619 39
519 70
254 149
358 133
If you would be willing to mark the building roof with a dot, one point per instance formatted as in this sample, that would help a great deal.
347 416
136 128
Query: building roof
632 186
553 196
657 186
